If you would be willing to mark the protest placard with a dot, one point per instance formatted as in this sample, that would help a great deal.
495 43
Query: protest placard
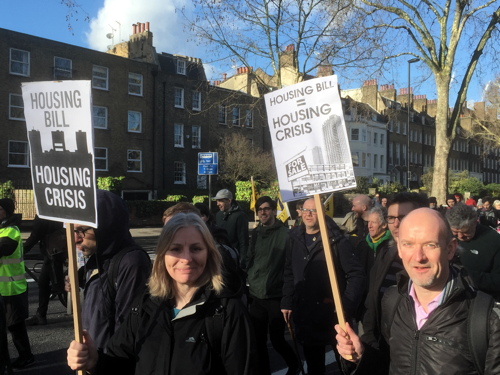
310 143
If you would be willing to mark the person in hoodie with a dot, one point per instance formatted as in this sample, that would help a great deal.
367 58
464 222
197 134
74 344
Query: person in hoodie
172 330
13 285
108 296
232 218
266 261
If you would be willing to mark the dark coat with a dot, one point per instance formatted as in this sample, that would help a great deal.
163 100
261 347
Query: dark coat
101 313
235 222
440 346
151 342
306 289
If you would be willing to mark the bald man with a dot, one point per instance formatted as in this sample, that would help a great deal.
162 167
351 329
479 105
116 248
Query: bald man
361 206
425 318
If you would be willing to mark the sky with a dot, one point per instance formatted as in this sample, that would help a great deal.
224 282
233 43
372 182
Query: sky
94 21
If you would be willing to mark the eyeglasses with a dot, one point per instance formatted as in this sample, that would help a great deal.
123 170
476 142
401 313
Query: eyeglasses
265 209
392 219
80 233
312 211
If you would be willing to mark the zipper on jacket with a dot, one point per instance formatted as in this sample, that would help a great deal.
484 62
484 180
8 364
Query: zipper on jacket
416 336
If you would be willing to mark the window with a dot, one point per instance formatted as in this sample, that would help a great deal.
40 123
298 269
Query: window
375 138
404 127
135 84
236 116
354 134
196 136
18 154
100 117
178 135
391 149
181 67
363 160
249 119
16 107
179 97
179 172
369 138
382 162
381 140
196 101
375 161
397 127
19 62
134 122
389 126
222 114
355 159
99 77
101 158
134 160
363 135
62 68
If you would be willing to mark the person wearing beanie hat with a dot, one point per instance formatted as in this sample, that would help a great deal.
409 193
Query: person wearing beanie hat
13 285
433 203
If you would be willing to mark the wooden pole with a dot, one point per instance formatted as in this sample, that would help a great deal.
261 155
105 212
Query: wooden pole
329 261
73 279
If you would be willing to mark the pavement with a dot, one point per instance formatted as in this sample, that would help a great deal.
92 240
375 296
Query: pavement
50 342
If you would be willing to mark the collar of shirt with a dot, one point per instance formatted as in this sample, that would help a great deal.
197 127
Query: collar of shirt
420 315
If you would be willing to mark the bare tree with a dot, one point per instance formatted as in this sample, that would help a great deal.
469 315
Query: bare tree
249 32
239 161
487 129
449 37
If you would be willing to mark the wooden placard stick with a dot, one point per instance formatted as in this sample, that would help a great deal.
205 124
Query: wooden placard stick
329 262
73 279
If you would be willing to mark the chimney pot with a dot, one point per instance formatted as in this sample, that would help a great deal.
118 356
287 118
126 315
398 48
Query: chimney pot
134 29
224 76
147 26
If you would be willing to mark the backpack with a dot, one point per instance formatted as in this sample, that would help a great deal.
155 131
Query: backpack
477 325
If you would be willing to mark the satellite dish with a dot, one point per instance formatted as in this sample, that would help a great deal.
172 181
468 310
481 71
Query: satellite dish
110 35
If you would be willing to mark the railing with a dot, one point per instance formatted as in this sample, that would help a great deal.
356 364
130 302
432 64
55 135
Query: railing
22 194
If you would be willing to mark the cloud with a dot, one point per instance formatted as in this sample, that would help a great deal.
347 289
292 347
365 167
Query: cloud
164 16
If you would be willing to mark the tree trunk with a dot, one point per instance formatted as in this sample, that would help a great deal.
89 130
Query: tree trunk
443 141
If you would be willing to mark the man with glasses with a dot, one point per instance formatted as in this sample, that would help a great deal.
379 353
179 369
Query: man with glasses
266 260
306 290
478 248
115 268
387 263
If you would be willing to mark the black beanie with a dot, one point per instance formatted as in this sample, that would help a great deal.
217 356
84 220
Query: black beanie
8 205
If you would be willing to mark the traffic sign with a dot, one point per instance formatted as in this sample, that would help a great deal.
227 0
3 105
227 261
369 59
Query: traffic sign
208 163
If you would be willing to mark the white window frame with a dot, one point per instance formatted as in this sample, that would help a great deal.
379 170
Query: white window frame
355 159
134 160
196 101
222 112
13 107
100 77
249 118
355 134
181 66
103 119
179 135
139 125
178 97
63 68
22 64
135 84
25 153
179 173
100 158
196 136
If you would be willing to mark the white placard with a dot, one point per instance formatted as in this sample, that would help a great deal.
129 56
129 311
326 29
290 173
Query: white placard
59 124
310 143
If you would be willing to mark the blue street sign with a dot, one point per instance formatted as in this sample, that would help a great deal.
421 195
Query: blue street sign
208 163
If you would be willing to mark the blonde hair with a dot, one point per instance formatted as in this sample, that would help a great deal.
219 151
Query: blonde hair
160 282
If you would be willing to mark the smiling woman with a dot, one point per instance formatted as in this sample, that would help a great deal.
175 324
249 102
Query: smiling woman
186 323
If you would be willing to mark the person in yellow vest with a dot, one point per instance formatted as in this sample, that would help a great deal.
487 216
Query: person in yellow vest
13 285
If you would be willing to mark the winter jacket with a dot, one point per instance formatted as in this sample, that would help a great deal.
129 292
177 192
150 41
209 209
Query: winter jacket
440 346
306 289
266 260
104 309
488 217
151 342
481 258
235 222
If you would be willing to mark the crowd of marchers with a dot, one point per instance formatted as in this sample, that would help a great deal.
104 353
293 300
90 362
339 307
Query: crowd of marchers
418 287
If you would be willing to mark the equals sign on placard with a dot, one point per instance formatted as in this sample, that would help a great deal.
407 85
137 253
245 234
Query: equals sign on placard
301 102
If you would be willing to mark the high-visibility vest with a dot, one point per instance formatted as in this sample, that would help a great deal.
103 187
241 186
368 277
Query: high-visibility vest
12 274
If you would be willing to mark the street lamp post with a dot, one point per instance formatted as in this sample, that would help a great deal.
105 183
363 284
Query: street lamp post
408 173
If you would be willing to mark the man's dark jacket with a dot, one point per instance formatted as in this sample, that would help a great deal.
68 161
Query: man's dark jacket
306 289
101 313
440 346
235 222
